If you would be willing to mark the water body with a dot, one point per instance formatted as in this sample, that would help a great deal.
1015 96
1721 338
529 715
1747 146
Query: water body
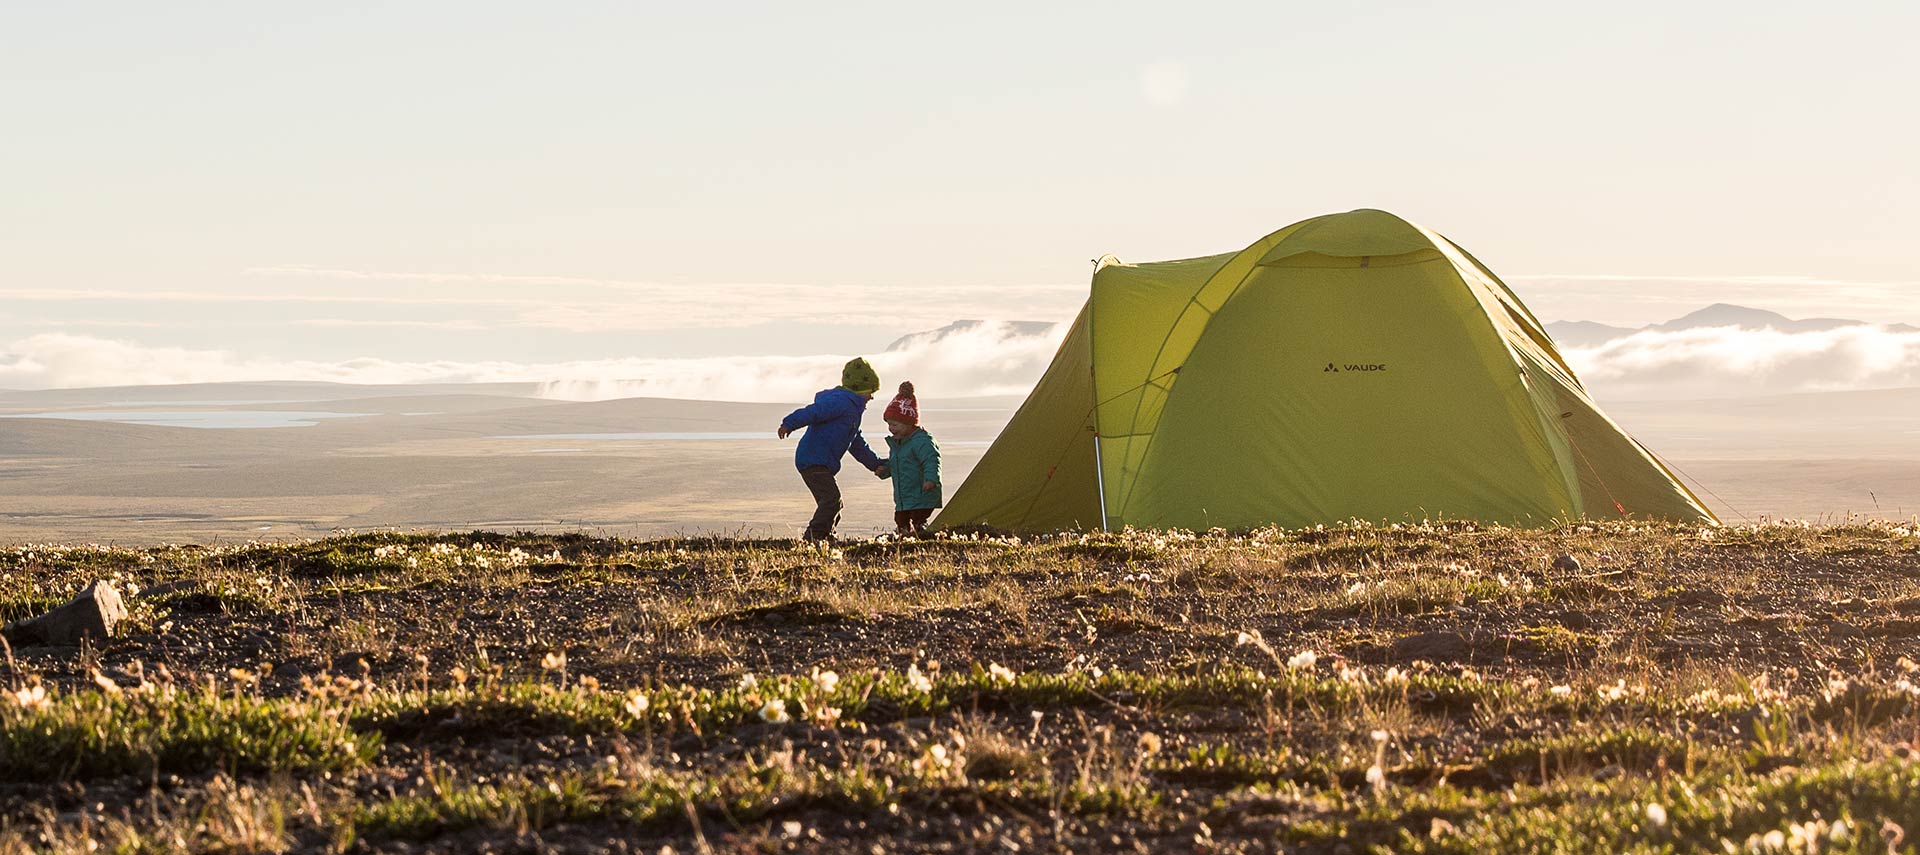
202 403
212 419
689 436
667 436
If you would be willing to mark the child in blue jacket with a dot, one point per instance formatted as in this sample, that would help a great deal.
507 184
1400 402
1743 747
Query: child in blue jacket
833 429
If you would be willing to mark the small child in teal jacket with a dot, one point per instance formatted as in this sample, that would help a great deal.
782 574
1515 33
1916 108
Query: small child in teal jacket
913 464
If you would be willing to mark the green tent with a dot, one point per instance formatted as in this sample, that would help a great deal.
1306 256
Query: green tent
1349 366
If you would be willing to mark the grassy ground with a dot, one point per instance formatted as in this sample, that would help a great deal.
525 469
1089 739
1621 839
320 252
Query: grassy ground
1434 688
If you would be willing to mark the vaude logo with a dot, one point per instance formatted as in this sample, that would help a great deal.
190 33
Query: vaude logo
1354 366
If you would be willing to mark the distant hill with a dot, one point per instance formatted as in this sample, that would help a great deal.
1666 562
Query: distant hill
926 337
1585 333
1590 334
246 392
1565 333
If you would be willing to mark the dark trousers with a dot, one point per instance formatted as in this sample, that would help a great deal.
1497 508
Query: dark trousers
826 498
911 522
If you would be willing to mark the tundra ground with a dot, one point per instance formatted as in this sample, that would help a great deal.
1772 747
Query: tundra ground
1444 688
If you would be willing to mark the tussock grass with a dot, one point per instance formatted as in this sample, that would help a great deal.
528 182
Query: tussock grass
1684 690
161 729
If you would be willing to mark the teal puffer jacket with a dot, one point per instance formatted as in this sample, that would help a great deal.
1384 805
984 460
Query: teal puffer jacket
913 462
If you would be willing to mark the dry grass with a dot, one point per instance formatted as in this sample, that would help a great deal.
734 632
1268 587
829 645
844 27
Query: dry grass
1433 688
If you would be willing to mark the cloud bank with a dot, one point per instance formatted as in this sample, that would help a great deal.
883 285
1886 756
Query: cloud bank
1728 362
992 359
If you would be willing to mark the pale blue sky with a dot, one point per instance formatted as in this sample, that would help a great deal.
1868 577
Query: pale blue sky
474 180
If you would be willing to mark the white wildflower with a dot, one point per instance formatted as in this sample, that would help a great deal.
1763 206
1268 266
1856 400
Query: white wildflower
32 697
937 753
1303 660
775 712
1656 814
825 680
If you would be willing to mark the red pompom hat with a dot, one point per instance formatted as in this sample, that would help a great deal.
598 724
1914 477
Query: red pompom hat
903 407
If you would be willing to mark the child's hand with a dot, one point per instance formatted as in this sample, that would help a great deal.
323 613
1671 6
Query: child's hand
881 471
782 433
928 486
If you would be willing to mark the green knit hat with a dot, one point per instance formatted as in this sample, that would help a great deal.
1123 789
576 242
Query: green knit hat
859 377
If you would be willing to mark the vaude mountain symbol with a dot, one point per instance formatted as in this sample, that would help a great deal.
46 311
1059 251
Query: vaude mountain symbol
1331 368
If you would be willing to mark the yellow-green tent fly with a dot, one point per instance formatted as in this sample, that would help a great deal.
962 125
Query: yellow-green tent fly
1351 366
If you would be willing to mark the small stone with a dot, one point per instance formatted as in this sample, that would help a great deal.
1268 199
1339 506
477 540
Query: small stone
1434 647
90 617
163 589
1567 564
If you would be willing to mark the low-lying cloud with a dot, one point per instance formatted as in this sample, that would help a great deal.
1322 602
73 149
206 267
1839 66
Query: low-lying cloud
991 359
1729 362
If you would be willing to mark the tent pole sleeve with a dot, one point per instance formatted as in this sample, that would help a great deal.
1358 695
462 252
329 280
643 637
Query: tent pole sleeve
1100 480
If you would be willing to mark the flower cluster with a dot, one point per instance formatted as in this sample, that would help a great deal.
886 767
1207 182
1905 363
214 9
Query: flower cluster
777 700
1812 836
445 553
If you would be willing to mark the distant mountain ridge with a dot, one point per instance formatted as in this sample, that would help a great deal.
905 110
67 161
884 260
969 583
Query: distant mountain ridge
1591 334
1565 333
925 337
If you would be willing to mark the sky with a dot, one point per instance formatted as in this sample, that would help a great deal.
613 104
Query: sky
617 184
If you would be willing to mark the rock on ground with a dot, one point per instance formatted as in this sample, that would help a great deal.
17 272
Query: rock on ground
91 616
1436 647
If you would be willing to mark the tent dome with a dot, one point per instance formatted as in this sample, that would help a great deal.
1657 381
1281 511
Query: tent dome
1353 365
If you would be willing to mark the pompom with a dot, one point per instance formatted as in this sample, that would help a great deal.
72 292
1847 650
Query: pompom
906 387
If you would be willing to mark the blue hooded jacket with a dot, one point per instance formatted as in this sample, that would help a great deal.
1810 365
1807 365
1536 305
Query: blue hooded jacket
833 429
